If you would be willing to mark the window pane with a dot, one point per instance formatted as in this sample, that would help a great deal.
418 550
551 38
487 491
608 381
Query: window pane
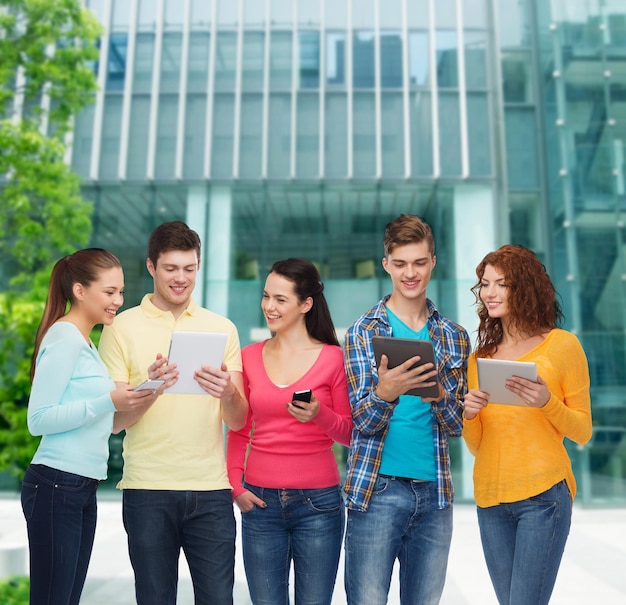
336 13
309 59
307 139
136 167
421 135
335 58
418 59
336 144
363 59
199 44
475 59
279 144
144 58
201 11
195 126
165 163
447 68
392 135
111 125
225 58
391 60
390 13
280 61
222 144
364 141
81 151
479 139
363 13
253 53
521 149
116 73
251 136
170 62
449 134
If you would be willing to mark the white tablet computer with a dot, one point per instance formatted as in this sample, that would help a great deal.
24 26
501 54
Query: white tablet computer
493 374
398 350
190 351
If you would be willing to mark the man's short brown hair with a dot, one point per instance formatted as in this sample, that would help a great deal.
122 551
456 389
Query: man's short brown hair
408 229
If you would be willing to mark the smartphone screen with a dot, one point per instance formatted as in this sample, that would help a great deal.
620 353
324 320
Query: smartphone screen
301 396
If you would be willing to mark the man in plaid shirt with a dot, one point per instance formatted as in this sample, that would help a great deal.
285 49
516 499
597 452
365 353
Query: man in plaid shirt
398 483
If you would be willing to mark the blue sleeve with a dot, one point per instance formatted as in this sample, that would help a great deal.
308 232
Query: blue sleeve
50 407
370 413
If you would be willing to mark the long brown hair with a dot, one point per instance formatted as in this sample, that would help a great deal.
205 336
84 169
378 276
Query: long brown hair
82 267
532 298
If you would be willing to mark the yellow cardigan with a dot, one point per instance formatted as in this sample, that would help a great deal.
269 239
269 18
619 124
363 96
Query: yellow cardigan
519 450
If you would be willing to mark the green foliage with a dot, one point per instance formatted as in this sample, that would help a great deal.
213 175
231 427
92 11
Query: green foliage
15 590
47 48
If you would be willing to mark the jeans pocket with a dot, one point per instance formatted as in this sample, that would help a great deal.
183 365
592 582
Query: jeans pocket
28 497
327 501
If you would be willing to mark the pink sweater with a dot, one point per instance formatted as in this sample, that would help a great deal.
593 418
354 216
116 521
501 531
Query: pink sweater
286 453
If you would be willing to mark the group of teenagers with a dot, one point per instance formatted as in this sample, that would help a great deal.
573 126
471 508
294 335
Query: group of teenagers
395 504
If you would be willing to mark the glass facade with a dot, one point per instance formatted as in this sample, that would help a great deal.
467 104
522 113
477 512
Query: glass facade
284 128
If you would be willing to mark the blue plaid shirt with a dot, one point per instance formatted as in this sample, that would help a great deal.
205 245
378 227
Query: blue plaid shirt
372 415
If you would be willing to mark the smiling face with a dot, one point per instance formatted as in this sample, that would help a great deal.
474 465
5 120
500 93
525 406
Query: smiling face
494 292
410 267
100 300
280 304
174 279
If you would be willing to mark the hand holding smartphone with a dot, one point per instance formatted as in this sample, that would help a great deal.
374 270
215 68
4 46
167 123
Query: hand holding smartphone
150 385
302 396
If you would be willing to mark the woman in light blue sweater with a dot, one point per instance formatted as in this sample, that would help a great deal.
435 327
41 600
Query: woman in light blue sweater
71 406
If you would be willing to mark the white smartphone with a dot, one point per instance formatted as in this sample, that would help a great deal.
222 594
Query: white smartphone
150 385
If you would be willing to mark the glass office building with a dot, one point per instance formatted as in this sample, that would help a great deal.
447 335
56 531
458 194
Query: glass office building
281 128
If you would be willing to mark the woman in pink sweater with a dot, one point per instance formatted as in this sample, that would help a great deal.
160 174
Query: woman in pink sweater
281 465
523 479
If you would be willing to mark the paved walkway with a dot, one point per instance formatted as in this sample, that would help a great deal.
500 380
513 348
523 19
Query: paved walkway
593 569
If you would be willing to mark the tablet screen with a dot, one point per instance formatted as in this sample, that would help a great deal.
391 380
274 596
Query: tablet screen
190 351
493 374
398 350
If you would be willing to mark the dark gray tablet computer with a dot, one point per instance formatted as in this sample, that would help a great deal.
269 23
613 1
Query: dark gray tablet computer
398 350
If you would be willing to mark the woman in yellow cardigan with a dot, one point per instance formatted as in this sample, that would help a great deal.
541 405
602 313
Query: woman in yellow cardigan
523 479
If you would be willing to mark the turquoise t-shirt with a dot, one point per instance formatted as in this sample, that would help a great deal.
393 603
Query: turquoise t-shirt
409 450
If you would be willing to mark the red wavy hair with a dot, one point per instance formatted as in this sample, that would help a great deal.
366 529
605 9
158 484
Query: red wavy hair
532 297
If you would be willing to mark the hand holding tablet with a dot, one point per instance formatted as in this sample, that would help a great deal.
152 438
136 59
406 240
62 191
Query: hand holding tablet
493 374
190 351
399 350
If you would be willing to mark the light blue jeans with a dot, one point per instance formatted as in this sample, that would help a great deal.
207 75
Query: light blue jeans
402 522
523 544
303 525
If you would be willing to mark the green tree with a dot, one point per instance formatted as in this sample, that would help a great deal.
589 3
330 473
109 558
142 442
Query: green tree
47 52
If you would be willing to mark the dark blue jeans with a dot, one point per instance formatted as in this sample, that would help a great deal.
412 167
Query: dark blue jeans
523 544
161 522
60 510
303 525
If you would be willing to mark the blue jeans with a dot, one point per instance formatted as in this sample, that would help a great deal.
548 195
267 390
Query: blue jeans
303 525
60 510
523 544
402 522
161 522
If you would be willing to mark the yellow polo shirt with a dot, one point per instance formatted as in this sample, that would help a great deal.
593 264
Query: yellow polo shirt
178 444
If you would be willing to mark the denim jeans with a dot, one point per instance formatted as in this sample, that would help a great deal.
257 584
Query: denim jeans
60 510
523 544
303 525
402 522
161 522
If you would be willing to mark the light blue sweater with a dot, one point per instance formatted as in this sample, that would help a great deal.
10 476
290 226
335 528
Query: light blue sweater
70 404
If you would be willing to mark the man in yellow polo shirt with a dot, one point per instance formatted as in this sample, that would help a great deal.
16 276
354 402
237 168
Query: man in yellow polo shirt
176 490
